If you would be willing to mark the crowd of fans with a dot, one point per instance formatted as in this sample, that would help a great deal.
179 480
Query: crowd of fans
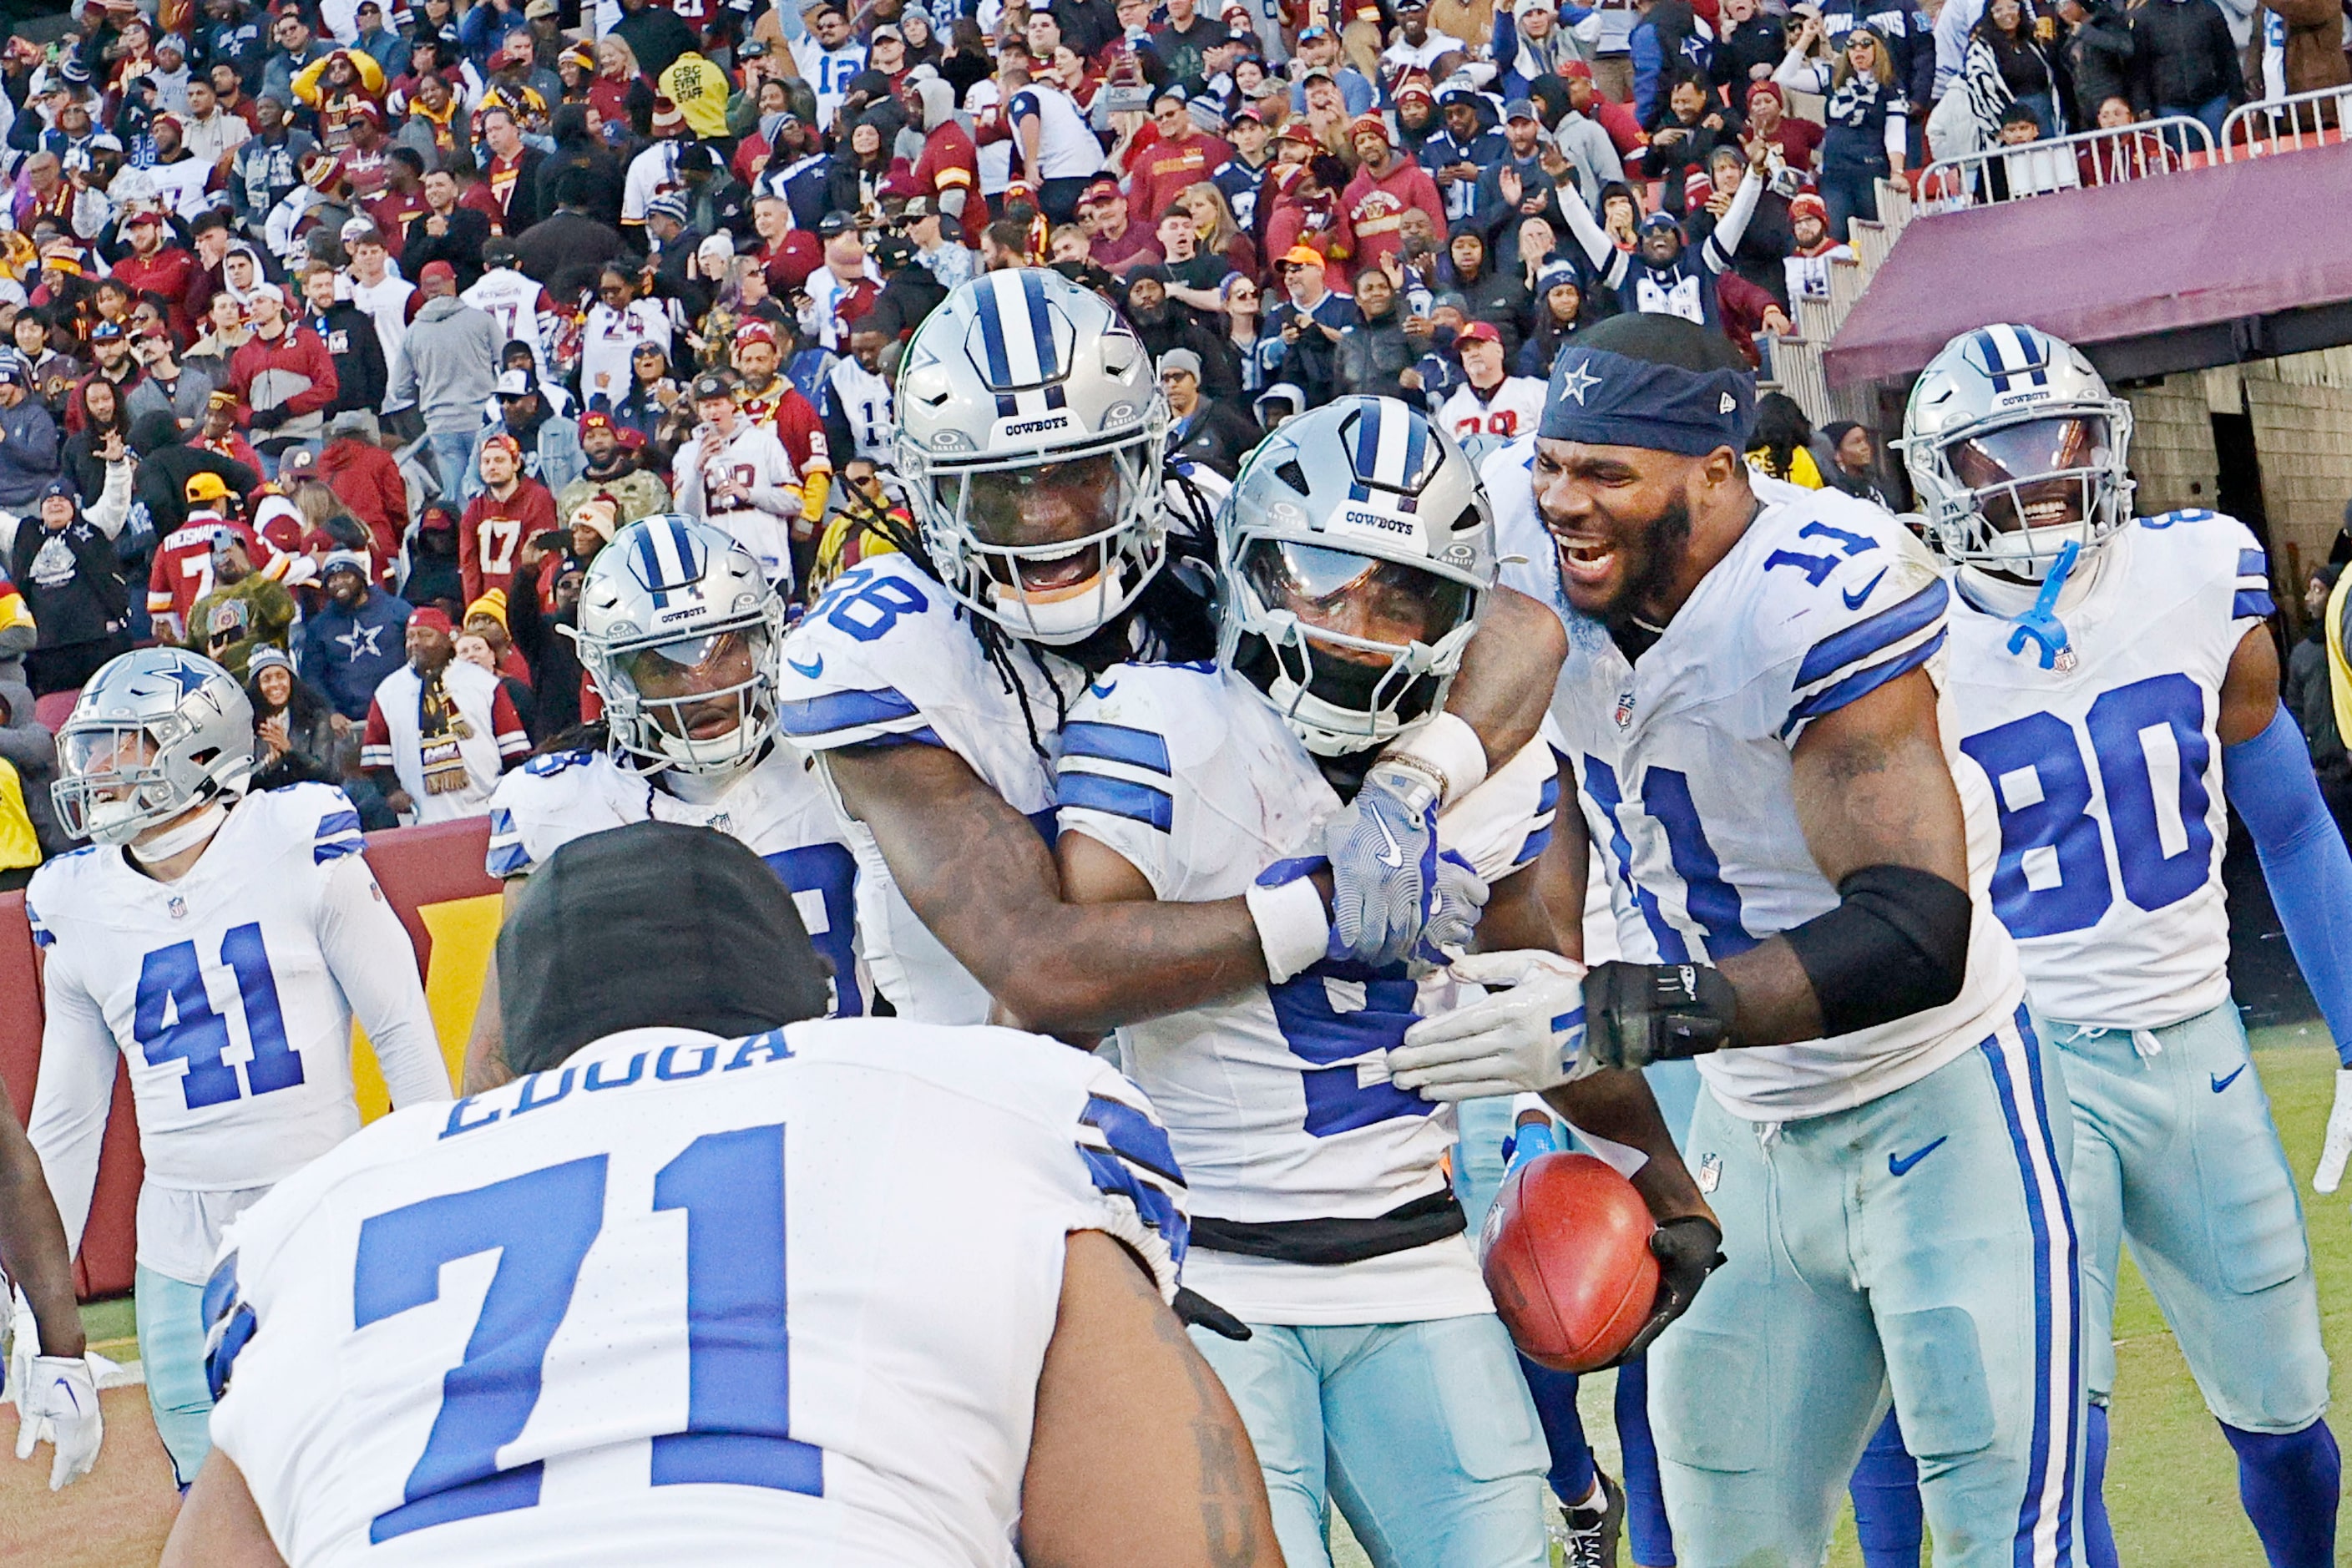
336 342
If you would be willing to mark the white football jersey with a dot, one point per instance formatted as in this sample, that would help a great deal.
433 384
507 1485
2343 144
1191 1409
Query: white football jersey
2106 770
885 658
1685 771
1513 412
1277 1100
683 1300
776 807
230 994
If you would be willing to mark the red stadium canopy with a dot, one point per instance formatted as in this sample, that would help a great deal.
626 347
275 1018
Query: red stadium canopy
2203 267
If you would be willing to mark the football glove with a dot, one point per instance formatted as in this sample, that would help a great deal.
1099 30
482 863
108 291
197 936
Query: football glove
1383 855
60 1407
1636 1014
2333 1153
24 1344
1455 898
1688 1249
1523 1039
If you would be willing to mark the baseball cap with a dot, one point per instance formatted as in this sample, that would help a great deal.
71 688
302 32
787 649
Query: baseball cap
1478 333
1100 190
299 461
1318 31
1520 109
537 9
712 385
885 31
1301 256
756 331
1183 360
1449 97
834 224
1577 70
654 924
437 272
919 206
107 332
504 443
517 383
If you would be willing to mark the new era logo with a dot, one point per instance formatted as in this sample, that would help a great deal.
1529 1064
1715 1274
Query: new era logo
1728 406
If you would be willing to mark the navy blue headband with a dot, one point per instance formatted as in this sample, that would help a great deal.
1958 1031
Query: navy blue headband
1605 399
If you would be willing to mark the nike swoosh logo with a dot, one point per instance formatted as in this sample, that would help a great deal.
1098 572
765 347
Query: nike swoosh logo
1898 1164
2222 1083
813 669
1392 854
1854 602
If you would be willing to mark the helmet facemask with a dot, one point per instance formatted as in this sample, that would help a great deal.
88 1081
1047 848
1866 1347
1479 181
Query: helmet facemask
990 529
119 778
1353 649
2015 493
702 702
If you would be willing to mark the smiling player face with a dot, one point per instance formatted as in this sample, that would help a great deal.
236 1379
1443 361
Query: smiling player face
1618 516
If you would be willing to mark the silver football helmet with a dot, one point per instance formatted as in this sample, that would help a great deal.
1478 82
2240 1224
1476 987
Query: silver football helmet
156 731
2017 448
1029 431
1356 551
678 628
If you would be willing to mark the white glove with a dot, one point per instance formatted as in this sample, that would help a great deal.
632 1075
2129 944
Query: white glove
59 1406
24 1344
2333 1153
1524 1040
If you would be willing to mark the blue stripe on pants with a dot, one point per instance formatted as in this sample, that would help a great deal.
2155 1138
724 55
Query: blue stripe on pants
2044 1522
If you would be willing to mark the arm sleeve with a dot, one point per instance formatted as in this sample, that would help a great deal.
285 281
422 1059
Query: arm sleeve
368 953
1725 240
1896 137
1601 251
1795 71
2269 779
69 1107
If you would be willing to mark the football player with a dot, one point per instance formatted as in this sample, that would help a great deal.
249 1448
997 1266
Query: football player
2117 689
932 684
1357 550
1751 706
691 1292
221 943
48 1380
679 629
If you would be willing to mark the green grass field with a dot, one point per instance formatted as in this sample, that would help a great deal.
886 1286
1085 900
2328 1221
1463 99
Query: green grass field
2172 1482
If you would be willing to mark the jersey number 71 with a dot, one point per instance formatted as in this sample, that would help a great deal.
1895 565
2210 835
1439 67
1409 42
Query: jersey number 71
730 1186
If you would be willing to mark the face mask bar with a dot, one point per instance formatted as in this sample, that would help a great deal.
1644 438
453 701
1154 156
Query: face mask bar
1339 706
114 805
656 730
2071 450
986 578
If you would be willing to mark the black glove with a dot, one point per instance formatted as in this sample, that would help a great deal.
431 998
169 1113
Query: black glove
1688 1249
1196 1310
269 418
1636 1014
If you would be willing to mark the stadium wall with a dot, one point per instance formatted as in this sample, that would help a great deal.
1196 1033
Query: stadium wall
435 879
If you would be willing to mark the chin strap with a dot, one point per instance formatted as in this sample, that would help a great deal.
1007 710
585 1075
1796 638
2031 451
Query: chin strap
2041 623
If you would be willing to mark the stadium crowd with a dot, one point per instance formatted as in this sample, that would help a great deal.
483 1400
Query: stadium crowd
318 319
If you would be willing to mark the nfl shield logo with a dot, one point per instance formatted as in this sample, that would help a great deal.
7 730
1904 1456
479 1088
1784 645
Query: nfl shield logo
2066 661
1625 709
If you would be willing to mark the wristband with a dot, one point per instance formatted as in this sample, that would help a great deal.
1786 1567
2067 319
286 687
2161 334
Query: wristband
1294 928
1447 752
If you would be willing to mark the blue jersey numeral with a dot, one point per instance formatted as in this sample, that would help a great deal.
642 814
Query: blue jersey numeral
2050 818
1314 1028
1817 567
171 987
867 607
828 872
730 1186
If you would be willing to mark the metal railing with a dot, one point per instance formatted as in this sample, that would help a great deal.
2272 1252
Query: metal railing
2286 124
1995 174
